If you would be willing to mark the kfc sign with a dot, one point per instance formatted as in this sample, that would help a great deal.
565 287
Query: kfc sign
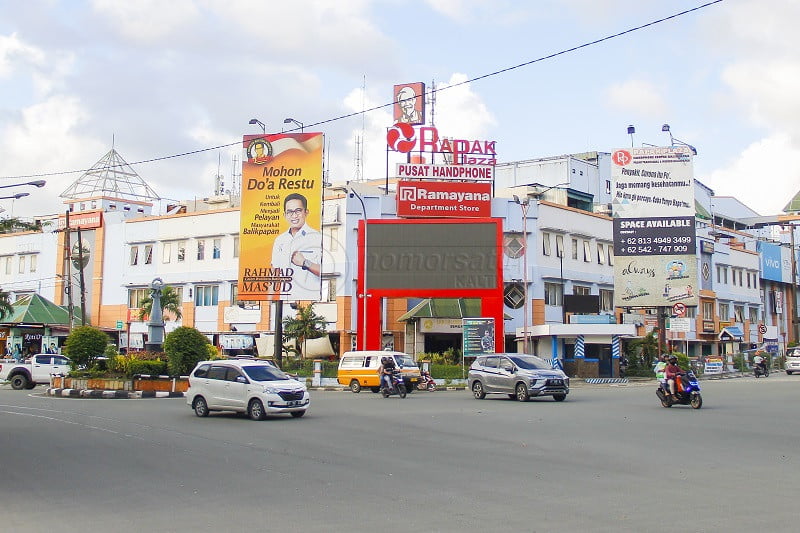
402 137
444 199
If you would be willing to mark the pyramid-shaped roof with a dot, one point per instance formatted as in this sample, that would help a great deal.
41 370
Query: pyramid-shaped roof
794 204
35 309
111 176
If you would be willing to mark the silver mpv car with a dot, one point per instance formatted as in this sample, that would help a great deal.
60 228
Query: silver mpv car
519 376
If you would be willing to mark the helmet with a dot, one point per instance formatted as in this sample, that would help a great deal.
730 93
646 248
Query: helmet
384 359
673 359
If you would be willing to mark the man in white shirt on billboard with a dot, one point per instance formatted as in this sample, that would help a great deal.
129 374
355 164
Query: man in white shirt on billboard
299 248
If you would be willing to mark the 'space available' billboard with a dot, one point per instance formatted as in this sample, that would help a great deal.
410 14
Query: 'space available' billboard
654 227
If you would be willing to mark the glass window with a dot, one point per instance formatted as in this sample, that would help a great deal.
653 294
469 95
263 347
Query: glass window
601 254
181 251
235 246
724 311
134 255
265 373
491 362
553 294
559 246
8 265
580 289
753 314
216 251
587 252
738 313
201 249
206 295
135 297
606 300
148 254
575 249
33 261
22 264
202 371
217 372
546 243
708 310
166 252
610 250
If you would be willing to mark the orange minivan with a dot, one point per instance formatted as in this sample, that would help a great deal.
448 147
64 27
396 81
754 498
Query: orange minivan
359 369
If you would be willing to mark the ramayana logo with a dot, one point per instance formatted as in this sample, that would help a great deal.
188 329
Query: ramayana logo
408 194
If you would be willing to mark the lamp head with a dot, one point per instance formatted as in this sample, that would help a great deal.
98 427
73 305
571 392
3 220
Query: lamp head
253 121
288 120
665 127
631 129
38 183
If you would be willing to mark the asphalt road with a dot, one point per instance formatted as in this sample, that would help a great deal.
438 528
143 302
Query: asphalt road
607 459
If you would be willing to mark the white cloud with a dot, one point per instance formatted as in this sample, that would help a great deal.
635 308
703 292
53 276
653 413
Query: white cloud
461 112
637 97
147 20
13 51
768 171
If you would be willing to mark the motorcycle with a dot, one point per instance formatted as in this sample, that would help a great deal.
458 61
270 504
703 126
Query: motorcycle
398 385
426 381
687 391
761 369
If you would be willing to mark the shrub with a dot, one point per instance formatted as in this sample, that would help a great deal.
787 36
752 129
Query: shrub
150 368
184 347
84 345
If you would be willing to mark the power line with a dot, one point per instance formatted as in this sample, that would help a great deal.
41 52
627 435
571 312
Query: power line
389 104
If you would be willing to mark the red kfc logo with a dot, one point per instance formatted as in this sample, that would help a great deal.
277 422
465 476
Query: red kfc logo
622 157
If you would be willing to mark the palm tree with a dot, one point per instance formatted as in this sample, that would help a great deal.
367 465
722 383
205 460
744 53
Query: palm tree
170 302
6 309
305 325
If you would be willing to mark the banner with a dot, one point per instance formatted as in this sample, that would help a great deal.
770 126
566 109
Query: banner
654 227
280 240
478 336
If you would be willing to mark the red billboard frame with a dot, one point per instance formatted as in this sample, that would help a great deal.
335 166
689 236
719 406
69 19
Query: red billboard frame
491 299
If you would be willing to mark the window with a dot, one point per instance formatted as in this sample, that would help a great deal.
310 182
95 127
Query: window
601 254
691 312
166 252
181 251
546 243
559 246
148 254
610 250
708 310
333 240
8 264
580 289
553 294
22 264
606 300
206 295
608 186
134 255
738 313
201 249
216 251
748 279
724 311
575 249
135 297
236 246
244 304
587 252
753 314
33 261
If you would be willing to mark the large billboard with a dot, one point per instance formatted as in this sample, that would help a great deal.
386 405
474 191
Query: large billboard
443 199
280 240
654 227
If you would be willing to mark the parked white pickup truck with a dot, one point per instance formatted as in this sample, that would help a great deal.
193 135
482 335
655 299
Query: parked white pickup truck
35 370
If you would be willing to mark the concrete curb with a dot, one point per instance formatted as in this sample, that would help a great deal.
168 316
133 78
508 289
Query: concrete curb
111 394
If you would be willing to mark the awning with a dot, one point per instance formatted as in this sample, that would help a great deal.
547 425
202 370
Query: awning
445 308
731 334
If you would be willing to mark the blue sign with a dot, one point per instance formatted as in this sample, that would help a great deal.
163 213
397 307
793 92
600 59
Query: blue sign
771 262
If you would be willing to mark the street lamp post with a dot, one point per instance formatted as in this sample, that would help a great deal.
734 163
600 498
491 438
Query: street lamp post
16 196
296 122
363 295
524 205
38 184
256 121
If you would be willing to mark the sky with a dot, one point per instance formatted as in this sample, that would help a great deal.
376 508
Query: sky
159 79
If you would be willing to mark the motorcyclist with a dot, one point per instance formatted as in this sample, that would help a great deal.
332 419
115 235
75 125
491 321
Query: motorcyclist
672 371
385 372
661 365
759 362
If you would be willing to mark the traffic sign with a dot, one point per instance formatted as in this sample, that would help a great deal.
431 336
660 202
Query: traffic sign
120 324
679 309
762 328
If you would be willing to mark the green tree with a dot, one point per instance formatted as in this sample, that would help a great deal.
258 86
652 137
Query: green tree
6 309
641 355
170 303
85 344
305 325
15 225
185 347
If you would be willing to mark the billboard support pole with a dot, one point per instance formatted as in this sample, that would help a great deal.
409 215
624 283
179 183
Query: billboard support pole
277 351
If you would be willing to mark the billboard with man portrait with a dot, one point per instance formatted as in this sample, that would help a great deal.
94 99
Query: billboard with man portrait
280 240
409 103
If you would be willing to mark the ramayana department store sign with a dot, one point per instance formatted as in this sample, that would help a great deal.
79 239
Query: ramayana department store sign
443 199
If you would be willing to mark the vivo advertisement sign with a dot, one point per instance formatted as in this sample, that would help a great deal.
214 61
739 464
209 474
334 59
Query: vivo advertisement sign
776 262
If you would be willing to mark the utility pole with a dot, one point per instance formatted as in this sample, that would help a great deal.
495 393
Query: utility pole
81 279
68 270
794 318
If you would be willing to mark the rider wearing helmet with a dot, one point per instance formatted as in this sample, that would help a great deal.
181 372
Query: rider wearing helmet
385 371
671 372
